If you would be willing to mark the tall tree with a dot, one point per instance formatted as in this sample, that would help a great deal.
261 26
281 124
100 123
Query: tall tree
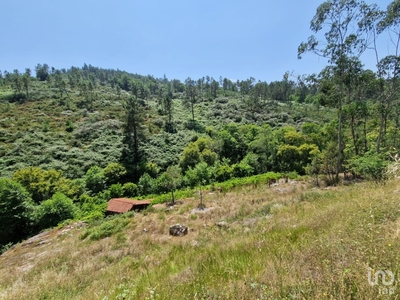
168 108
375 22
16 80
59 83
192 95
214 85
337 19
26 81
42 72
133 135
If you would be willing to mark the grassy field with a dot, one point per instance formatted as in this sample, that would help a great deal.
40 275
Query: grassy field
289 241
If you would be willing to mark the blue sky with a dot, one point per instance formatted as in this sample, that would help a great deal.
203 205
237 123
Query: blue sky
235 39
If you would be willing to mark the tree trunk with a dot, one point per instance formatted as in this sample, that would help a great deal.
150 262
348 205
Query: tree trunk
353 134
365 136
378 142
339 155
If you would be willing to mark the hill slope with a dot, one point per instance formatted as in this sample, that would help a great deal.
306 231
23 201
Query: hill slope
287 241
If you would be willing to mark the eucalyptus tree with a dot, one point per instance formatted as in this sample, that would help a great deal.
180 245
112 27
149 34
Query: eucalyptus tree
16 81
389 71
341 40
192 95
373 24
257 98
168 107
26 81
214 86
59 83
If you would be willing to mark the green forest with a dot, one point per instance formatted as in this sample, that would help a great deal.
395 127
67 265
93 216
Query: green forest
73 138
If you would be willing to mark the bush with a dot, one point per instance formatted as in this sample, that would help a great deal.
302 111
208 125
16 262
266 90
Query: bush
146 183
55 210
15 213
223 172
116 190
95 179
242 169
130 189
113 173
371 166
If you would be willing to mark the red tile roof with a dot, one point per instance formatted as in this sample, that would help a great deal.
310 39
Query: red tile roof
122 205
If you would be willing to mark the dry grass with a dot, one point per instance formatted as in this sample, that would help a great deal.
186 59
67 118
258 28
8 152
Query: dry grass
285 242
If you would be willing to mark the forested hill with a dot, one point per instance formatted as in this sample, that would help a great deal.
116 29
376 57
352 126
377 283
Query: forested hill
74 119
71 139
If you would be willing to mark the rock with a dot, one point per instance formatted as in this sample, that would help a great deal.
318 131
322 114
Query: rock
178 230
222 224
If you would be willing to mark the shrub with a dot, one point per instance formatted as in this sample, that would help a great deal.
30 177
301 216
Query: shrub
113 173
40 183
223 172
55 210
95 179
15 211
242 169
146 183
116 190
130 189
152 169
371 166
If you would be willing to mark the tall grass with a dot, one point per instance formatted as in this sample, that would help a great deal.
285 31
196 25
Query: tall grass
284 242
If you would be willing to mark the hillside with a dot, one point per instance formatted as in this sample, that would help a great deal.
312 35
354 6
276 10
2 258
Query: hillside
289 241
71 139
72 130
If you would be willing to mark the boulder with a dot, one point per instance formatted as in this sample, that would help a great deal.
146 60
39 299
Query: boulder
178 230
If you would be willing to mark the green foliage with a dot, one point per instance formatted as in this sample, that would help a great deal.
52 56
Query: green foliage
242 169
170 179
116 190
55 210
198 151
252 180
15 211
199 175
106 228
152 169
42 72
95 181
130 189
114 173
223 172
42 184
296 158
371 166
180 194
146 184
91 208
190 157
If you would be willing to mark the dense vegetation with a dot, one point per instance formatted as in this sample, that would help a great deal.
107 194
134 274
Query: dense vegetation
73 138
